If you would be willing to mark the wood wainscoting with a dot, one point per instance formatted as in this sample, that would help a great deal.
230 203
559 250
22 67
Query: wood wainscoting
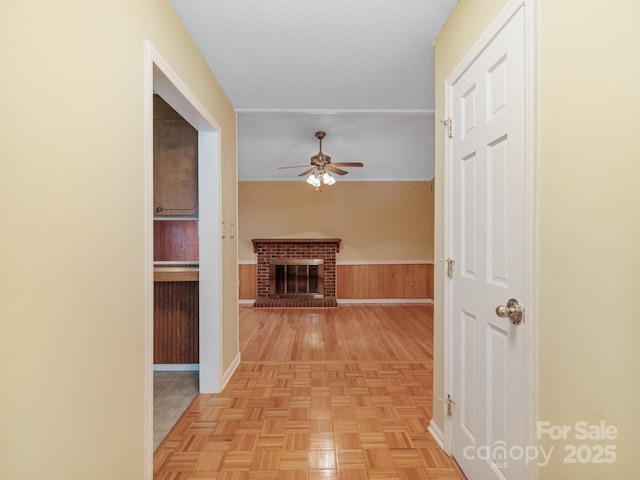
248 281
385 281
370 281
176 323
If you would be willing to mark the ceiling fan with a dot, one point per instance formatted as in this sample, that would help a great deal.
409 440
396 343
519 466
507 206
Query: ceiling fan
321 165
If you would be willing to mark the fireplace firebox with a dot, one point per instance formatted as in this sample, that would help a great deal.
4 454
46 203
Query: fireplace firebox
296 278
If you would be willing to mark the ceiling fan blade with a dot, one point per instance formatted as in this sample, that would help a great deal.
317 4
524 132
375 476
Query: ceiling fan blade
348 164
333 169
294 166
307 171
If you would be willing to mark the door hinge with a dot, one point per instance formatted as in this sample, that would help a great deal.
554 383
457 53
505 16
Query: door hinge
447 122
450 263
449 401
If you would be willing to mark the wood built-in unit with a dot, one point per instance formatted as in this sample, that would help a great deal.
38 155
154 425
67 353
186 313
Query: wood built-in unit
175 254
175 163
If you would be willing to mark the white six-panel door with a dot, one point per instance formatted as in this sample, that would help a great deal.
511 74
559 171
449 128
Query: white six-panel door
487 192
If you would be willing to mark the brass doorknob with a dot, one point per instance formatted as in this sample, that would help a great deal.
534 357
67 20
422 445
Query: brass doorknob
513 310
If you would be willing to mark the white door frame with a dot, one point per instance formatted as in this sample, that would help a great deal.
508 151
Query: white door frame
530 299
161 78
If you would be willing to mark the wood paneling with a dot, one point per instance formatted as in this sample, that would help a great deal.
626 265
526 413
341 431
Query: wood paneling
175 240
248 284
385 281
361 282
175 326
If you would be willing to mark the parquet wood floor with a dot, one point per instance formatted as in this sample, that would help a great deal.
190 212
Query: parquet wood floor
342 394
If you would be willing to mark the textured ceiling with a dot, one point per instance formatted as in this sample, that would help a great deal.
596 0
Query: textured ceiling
291 67
391 146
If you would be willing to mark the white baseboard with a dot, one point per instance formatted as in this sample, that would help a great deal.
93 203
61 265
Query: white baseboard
176 367
345 301
226 376
437 434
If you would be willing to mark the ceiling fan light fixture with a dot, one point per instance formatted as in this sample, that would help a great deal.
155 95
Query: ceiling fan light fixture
313 180
328 179
320 166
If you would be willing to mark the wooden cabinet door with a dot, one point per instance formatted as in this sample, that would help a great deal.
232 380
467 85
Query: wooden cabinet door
175 163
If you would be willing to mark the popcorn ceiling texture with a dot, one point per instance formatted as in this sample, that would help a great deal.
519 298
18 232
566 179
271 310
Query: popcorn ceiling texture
329 54
363 71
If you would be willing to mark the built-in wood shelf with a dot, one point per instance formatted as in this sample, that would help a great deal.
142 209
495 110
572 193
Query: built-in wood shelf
175 274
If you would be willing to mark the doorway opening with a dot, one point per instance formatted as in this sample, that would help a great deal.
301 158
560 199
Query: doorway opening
162 80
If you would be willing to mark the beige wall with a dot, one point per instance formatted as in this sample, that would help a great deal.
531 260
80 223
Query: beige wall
73 242
588 219
589 225
377 221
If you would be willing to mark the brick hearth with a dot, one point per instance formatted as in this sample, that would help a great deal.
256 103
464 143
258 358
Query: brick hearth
324 248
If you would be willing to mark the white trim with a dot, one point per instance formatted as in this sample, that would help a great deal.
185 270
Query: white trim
494 28
161 78
177 94
246 302
148 263
385 262
355 301
354 180
531 223
303 111
176 367
436 433
210 261
247 262
228 373
510 9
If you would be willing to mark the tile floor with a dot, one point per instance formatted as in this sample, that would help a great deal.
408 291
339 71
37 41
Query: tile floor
172 394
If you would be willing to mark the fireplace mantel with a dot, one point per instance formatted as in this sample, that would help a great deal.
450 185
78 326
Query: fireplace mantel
258 241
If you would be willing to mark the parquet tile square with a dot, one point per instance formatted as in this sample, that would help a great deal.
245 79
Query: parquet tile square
353 474
320 417
373 440
268 460
351 459
347 441
294 460
237 461
322 441
327 474
270 442
262 475
378 458
406 458
209 462
322 459
292 475
399 439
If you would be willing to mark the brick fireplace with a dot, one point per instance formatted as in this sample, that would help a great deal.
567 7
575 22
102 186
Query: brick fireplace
279 250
